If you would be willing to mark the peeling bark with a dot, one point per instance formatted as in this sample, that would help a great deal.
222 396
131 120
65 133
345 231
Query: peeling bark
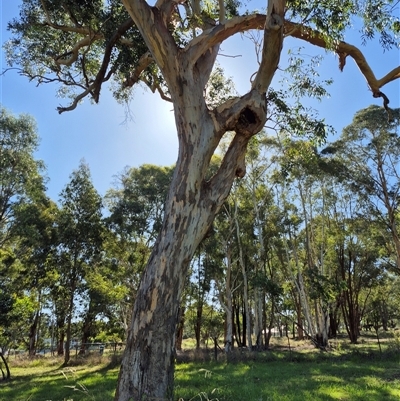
147 369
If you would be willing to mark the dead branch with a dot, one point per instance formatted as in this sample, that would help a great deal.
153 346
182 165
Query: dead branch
343 50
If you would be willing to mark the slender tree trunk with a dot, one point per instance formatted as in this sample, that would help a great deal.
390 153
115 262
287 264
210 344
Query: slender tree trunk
300 331
387 201
8 374
300 287
179 329
258 316
60 334
305 305
33 334
60 342
67 354
322 316
237 325
268 333
86 333
334 320
246 301
227 304
259 297
198 322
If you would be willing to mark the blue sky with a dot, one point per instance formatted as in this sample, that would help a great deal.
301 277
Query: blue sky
98 133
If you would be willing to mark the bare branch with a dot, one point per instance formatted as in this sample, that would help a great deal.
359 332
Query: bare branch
74 52
344 49
219 33
144 62
222 12
76 100
272 46
156 87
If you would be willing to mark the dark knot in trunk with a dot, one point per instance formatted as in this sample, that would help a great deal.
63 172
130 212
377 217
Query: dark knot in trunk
248 122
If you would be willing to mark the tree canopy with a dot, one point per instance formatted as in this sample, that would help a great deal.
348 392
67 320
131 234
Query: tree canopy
82 45
20 178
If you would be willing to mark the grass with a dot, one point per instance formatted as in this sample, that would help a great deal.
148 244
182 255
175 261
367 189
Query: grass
356 373
291 381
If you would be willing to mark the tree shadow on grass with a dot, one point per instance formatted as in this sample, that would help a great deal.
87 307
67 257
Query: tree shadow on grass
59 384
298 377
255 376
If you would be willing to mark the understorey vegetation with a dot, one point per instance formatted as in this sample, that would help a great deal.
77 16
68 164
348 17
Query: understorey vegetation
353 371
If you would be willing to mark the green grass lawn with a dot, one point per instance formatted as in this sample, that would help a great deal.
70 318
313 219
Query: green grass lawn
291 381
305 375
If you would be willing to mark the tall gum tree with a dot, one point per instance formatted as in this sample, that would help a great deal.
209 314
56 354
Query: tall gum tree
172 45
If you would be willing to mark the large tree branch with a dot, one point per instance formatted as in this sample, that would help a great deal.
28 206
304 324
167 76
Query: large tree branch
74 52
272 46
167 8
82 30
389 77
127 24
159 40
343 50
76 100
143 63
233 165
216 35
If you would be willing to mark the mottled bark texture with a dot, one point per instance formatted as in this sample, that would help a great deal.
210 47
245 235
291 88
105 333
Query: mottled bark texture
147 370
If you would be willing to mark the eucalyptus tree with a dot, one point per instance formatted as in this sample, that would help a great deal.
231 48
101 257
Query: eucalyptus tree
80 240
36 237
251 209
370 150
296 173
20 173
136 206
21 195
358 272
6 319
225 277
136 202
172 47
382 310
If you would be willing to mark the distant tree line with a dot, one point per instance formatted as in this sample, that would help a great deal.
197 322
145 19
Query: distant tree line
307 243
